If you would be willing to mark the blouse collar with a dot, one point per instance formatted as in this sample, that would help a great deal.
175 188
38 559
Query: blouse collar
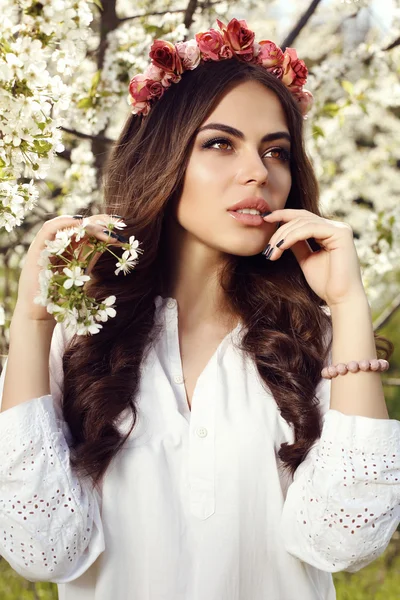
235 333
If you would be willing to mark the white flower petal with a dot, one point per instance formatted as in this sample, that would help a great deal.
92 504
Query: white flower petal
68 283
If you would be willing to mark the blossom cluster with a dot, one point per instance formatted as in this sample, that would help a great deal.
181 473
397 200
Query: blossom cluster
62 289
234 40
352 138
37 39
95 94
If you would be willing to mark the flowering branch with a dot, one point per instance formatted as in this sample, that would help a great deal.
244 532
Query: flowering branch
88 136
62 289
160 13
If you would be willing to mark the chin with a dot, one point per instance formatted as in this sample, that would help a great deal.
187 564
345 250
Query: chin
247 252
244 250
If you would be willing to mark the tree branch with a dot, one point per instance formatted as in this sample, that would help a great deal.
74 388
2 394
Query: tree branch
188 18
301 23
151 14
387 313
205 4
392 45
391 381
88 136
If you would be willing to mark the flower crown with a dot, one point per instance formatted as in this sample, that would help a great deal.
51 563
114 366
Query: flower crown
169 61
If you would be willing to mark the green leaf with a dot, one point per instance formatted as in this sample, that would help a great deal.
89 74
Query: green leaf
347 86
41 146
85 103
331 109
317 131
95 81
330 168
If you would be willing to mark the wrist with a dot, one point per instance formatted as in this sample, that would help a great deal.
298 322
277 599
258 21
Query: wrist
20 320
359 300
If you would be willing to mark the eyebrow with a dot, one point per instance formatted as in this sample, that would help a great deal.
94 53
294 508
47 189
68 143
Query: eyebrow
269 137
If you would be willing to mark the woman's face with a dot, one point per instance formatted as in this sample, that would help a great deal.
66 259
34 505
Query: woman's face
236 164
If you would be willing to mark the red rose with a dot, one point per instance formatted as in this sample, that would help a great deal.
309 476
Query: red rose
210 43
239 37
295 70
156 89
301 73
165 56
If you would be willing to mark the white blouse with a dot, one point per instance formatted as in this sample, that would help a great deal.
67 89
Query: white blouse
194 506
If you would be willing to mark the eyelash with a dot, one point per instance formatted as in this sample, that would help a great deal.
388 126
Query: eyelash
285 154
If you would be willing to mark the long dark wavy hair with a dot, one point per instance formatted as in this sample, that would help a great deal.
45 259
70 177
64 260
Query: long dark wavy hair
288 331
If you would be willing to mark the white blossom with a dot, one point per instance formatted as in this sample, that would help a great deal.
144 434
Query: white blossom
75 277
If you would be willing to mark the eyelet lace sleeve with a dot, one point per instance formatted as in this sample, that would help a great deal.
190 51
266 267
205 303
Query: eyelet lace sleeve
50 524
343 505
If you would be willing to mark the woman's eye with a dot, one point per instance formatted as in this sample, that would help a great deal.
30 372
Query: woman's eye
283 153
280 153
213 142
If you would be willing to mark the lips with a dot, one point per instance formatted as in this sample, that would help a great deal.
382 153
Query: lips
254 202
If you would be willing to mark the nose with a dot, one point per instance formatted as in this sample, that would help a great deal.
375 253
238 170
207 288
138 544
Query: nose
252 170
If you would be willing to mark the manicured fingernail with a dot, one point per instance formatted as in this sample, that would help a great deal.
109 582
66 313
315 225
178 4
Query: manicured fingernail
266 249
110 233
77 217
116 236
279 244
117 216
270 251
264 214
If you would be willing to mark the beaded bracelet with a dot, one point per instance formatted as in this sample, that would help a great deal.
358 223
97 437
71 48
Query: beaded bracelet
374 364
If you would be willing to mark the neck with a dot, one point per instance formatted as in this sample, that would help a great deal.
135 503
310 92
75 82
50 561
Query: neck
193 280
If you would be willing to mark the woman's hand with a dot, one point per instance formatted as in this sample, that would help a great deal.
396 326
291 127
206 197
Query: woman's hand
333 272
28 285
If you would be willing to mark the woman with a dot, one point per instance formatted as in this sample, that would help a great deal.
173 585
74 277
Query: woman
244 474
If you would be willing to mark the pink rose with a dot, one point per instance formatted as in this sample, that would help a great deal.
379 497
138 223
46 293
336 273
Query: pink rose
305 100
270 54
295 70
142 90
239 38
138 88
189 52
140 108
165 56
277 71
138 95
154 73
210 44
169 78
226 52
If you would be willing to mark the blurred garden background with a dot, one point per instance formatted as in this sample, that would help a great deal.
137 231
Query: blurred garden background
65 66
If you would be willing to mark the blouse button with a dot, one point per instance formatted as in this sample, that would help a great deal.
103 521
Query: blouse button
201 431
171 303
178 379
